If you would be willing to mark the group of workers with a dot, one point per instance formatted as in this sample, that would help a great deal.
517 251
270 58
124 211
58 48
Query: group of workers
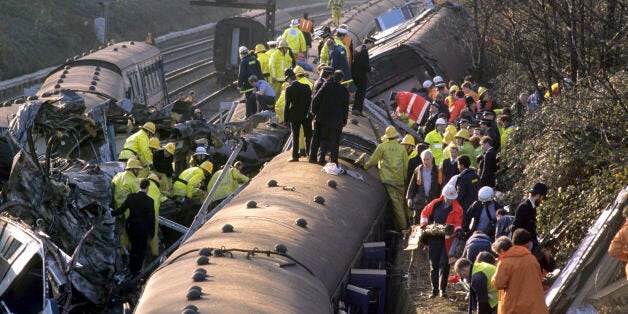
149 179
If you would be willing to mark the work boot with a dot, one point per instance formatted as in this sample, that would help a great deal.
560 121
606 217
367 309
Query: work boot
433 295
293 159
443 294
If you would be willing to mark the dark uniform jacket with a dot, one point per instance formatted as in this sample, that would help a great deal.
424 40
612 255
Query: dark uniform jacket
249 66
493 132
488 167
330 105
163 164
297 103
525 217
449 169
142 213
475 212
361 64
468 185
318 84
338 61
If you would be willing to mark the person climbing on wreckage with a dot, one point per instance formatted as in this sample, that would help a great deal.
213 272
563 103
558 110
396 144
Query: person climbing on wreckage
124 184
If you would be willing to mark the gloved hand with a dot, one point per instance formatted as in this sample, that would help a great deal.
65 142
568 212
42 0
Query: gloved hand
409 203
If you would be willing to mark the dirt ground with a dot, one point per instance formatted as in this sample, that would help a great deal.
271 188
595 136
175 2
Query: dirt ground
417 283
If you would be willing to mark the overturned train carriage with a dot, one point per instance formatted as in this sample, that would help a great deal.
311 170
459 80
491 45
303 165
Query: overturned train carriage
246 272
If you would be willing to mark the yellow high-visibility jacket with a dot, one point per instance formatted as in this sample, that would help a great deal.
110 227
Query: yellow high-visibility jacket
504 133
154 193
264 58
188 184
324 57
136 146
468 149
435 142
279 63
229 183
392 160
304 80
295 39
124 183
280 104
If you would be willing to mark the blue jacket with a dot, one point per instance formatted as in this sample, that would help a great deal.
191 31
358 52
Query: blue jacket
249 66
338 58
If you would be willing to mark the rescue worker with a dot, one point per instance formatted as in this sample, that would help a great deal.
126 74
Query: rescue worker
140 225
330 109
295 39
249 65
414 160
392 161
336 8
163 160
200 156
482 214
525 215
342 35
137 146
230 182
262 97
468 91
518 278
619 246
488 164
449 100
424 185
280 105
297 113
506 121
467 183
125 183
359 70
189 188
264 58
338 60
322 51
435 140
190 98
465 147
155 193
306 26
458 104
477 243
483 297
280 60
444 210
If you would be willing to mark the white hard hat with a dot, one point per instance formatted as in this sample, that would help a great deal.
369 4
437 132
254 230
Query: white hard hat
427 84
438 81
485 194
449 192
441 121
342 31
279 39
200 151
294 22
243 49
271 43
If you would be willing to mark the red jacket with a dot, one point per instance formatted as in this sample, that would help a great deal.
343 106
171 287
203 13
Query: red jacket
454 111
454 218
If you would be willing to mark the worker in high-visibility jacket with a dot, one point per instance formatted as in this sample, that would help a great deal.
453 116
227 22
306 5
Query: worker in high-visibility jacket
137 146
392 160
230 182
190 190
295 39
336 7
264 58
163 160
155 193
280 104
124 184
306 26
342 34
280 60
465 147
434 140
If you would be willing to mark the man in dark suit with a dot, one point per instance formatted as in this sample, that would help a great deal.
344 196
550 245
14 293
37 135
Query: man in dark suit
525 216
297 110
450 165
488 164
467 184
326 73
360 68
330 108
140 225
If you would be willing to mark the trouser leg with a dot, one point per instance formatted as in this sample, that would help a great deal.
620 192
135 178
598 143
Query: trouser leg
436 247
139 242
360 93
251 104
306 125
265 102
443 269
334 144
296 128
315 145
399 212
324 144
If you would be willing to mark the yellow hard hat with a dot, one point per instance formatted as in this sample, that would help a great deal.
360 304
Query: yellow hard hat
451 129
153 142
153 177
208 166
390 133
454 88
448 138
170 148
408 140
260 48
149 127
464 133
298 70
133 164
482 90
283 44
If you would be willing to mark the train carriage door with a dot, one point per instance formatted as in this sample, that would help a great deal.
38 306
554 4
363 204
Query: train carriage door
231 33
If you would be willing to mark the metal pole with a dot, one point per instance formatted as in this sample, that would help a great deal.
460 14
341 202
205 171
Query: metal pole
199 219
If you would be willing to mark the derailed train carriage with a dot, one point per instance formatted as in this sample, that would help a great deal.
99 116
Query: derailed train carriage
289 252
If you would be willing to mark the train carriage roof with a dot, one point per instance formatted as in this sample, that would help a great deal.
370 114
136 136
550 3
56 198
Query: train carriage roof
81 78
123 55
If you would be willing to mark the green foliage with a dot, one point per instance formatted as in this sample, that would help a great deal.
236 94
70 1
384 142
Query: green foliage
577 144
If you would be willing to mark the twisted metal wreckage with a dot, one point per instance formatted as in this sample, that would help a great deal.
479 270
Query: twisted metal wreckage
55 223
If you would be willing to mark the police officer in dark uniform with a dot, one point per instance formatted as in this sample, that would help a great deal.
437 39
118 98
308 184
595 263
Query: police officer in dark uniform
249 65
360 68
140 225
326 73
297 112
330 108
